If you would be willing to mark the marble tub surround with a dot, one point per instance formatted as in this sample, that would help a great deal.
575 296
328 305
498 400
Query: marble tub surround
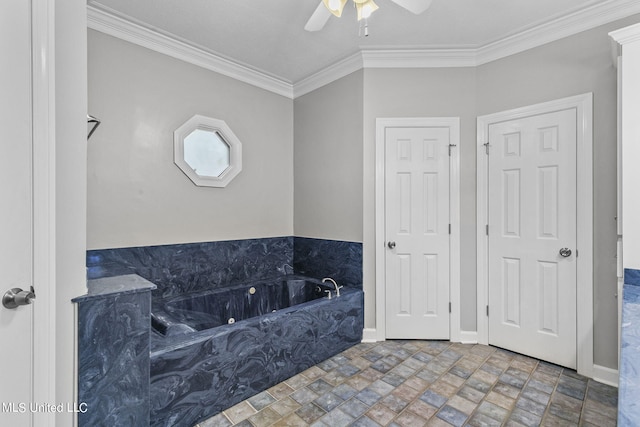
631 277
197 375
117 285
113 351
340 260
192 267
629 391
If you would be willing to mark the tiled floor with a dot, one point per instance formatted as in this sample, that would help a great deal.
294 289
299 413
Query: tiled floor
432 383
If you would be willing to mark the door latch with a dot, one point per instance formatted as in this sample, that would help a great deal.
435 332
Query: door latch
16 297
565 252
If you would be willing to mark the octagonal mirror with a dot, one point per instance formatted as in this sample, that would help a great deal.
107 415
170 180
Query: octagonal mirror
207 151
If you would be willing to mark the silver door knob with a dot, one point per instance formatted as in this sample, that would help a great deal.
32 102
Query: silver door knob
391 245
16 297
565 252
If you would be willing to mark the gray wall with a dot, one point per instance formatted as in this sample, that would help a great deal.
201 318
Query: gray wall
328 161
136 195
436 92
574 65
571 66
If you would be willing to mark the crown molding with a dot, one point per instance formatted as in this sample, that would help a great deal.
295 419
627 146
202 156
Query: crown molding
626 35
630 34
125 29
385 58
557 29
419 58
329 74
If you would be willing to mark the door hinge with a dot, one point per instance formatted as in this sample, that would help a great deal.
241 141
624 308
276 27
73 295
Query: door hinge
486 229
449 307
486 148
576 253
487 311
449 228
450 146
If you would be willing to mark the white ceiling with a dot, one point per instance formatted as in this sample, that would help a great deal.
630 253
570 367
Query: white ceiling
268 36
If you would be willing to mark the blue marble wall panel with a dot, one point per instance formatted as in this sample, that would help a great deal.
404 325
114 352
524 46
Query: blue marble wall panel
629 372
631 277
320 258
196 376
113 353
192 267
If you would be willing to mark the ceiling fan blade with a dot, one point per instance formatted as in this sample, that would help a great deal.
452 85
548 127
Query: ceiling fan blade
318 19
415 6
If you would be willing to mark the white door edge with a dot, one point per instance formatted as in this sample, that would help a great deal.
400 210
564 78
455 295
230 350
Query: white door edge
44 253
453 123
584 119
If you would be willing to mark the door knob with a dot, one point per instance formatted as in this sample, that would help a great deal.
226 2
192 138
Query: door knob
565 252
16 297
391 245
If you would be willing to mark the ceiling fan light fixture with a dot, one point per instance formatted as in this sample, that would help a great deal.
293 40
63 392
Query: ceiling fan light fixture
365 8
335 6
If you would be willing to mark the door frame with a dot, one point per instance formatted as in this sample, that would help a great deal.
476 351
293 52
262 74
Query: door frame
453 123
43 184
583 104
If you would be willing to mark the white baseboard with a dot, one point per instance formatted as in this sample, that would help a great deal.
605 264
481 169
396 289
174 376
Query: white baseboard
605 375
469 337
466 337
369 335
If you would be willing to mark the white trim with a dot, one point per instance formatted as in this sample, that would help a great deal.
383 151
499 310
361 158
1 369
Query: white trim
482 242
330 74
626 35
369 335
468 337
565 26
605 375
43 113
419 58
453 123
584 113
454 238
126 28
208 124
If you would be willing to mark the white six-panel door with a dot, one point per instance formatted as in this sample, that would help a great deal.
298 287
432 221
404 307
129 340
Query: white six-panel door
16 251
417 227
532 236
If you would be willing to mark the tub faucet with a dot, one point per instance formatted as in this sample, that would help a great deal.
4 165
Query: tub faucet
335 285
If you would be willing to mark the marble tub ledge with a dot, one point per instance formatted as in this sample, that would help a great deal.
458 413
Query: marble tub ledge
116 285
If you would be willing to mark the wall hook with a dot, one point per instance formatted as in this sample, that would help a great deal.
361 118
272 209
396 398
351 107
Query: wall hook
94 123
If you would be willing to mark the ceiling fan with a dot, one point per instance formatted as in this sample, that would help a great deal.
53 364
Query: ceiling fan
326 8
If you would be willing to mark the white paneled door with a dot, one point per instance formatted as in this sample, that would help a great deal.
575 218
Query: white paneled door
15 211
532 236
417 228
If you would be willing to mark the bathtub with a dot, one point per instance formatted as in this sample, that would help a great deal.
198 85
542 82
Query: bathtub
213 349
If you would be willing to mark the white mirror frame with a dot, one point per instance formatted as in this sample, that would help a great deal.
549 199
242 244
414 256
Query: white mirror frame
210 125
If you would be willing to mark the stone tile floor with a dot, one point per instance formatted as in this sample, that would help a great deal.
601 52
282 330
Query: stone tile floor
428 383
